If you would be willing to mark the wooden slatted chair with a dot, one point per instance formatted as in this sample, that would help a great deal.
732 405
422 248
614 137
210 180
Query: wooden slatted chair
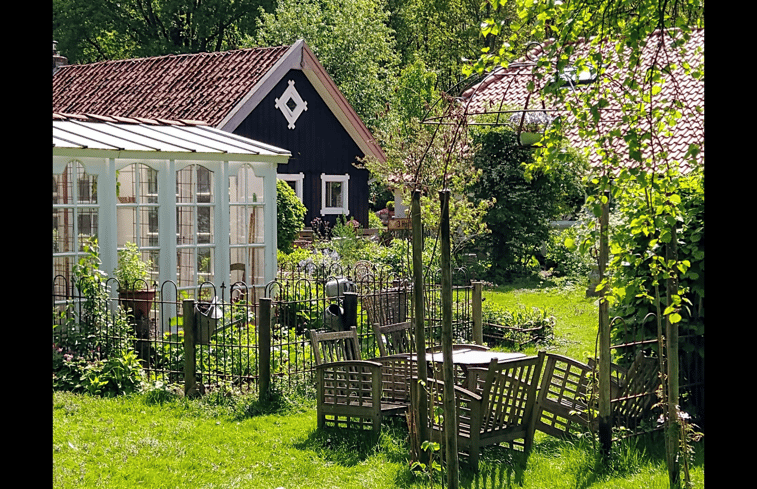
561 406
500 409
396 372
354 393
350 395
335 346
395 338
632 394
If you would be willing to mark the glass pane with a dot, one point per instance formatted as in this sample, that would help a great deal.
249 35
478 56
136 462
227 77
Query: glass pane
238 265
127 225
204 184
246 225
247 265
151 218
185 229
333 194
87 223
257 271
149 185
245 187
184 185
63 230
185 265
87 186
204 225
148 226
126 185
204 265
154 256
63 266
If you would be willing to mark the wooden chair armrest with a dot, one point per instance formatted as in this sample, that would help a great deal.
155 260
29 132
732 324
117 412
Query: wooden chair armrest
356 363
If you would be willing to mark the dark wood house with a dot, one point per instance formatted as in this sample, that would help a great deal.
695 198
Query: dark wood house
281 96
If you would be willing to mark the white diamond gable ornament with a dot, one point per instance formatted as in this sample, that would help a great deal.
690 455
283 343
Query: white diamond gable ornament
291 104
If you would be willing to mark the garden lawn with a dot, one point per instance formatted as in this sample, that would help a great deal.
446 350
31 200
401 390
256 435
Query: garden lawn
576 316
131 442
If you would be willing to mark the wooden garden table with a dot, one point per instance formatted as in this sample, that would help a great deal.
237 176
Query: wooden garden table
465 358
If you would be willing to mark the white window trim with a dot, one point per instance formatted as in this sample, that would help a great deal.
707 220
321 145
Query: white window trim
297 178
345 180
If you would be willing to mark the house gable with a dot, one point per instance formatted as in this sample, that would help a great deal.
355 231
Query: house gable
318 141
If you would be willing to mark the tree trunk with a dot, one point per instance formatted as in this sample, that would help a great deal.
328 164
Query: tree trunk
450 416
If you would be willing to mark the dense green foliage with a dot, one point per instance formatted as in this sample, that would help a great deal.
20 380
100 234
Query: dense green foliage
98 30
635 261
92 347
519 221
351 40
290 214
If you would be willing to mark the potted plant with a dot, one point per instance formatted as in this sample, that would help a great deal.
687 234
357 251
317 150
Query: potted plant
132 274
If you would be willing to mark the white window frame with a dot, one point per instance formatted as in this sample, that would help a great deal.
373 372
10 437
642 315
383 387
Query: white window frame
345 181
297 178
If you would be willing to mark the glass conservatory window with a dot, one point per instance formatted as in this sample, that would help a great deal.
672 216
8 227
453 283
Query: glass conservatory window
335 194
75 217
137 211
195 206
246 218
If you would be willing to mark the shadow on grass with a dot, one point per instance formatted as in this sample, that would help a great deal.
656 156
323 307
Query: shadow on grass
498 467
348 448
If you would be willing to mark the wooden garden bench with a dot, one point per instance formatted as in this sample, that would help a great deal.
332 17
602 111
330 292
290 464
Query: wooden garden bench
633 390
497 407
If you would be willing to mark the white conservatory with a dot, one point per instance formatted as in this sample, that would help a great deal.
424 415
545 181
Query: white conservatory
197 201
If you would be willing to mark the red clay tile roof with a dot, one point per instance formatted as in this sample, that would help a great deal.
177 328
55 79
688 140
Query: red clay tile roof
509 86
200 87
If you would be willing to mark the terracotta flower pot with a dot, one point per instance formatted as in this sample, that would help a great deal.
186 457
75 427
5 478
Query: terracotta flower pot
138 302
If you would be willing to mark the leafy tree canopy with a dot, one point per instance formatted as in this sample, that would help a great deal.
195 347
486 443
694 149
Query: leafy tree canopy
97 30
351 40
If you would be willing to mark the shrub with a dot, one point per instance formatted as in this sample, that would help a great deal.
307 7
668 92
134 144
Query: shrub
290 215
517 327
92 346
525 204
566 261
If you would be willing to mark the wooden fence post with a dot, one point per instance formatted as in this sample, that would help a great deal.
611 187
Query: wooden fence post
264 344
672 437
190 368
350 310
477 307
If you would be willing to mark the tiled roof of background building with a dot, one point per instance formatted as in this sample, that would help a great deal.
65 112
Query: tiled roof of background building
507 89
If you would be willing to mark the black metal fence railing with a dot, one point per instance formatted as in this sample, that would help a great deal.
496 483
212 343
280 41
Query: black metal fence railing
226 340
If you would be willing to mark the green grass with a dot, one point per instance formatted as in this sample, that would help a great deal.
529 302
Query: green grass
129 441
576 315
219 442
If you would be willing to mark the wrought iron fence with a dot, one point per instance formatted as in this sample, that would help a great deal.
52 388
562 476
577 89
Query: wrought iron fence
226 351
